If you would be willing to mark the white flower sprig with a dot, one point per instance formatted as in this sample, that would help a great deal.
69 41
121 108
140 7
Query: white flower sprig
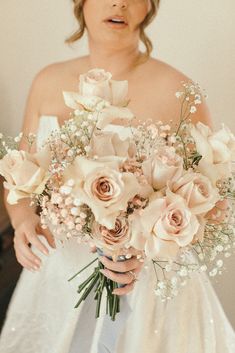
8 143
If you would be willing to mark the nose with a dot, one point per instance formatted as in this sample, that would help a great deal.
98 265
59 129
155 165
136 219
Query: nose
120 3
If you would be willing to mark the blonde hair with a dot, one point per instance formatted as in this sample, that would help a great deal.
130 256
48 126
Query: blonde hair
78 13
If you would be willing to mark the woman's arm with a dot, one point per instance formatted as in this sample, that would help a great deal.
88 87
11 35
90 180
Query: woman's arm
24 219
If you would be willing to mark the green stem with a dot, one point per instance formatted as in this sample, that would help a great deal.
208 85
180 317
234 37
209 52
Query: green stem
85 283
100 293
118 306
87 291
115 303
84 268
181 117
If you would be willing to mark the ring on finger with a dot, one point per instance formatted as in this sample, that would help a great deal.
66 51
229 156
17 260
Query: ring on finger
133 276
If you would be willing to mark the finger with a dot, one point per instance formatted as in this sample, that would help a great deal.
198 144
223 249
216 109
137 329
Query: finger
35 241
124 290
25 251
122 278
20 245
120 266
27 264
49 237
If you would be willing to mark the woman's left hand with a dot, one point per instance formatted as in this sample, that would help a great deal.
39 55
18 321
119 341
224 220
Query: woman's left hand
129 270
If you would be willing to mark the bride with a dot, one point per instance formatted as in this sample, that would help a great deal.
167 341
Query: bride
41 317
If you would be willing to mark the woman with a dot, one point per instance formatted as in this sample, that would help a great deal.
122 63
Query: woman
41 318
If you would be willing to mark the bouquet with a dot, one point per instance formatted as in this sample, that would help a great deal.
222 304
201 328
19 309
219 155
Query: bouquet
164 190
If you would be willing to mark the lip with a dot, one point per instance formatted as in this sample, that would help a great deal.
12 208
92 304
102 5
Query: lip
116 25
118 17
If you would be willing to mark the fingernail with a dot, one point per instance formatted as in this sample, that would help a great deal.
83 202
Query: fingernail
37 262
36 268
46 252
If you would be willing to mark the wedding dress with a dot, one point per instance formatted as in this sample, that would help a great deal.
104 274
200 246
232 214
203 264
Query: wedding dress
41 317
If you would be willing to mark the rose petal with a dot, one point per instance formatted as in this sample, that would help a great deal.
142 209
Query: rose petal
151 214
156 247
203 147
109 114
119 92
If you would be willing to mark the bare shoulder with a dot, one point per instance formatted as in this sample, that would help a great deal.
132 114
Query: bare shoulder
63 71
45 96
167 72
50 82
168 81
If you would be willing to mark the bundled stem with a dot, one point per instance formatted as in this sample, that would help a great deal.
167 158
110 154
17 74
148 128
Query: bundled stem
98 281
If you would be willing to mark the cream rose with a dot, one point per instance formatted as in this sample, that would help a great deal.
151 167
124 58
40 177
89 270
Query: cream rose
217 150
111 239
197 190
106 98
101 186
164 226
165 165
98 82
25 173
107 143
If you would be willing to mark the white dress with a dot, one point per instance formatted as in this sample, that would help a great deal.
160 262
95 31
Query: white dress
41 317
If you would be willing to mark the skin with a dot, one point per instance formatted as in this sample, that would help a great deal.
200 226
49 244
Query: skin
115 50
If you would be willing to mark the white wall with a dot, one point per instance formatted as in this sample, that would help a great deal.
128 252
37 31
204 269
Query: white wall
196 36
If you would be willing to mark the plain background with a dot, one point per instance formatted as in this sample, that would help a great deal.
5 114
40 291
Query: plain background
195 36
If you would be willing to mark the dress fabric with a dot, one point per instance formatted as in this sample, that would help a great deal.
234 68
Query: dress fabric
41 317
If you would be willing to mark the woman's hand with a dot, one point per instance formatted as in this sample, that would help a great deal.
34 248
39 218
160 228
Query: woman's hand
128 269
26 233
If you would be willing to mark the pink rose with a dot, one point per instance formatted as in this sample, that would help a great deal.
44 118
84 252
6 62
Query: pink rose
217 150
105 98
98 82
163 166
25 173
100 185
197 190
164 226
111 239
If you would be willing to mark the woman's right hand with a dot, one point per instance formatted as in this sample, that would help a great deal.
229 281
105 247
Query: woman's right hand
26 233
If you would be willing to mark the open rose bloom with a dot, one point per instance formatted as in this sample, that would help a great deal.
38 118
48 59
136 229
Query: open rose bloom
25 173
162 190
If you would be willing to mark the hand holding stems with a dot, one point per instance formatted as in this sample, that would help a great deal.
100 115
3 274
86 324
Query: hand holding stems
117 277
120 272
